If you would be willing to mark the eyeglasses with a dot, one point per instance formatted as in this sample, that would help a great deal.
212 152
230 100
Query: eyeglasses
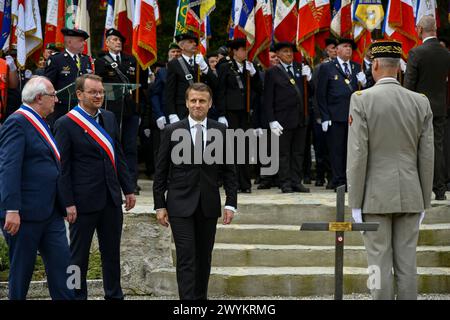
96 93
50 94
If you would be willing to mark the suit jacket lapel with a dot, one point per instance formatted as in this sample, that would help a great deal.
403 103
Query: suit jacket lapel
338 67
48 146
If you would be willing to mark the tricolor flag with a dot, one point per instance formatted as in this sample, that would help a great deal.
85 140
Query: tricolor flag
201 9
205 29
322 15
400 24
369 13
109 21
5 23
123 20
341 24
236 10
54 22
285 21
146 18
247 22
82 22
425 8
262 36
361 35
307 27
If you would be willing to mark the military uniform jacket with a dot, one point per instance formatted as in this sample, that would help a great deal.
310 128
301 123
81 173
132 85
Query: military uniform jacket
333 93
426 72
230 97
390 149
128 67
281 101
177 84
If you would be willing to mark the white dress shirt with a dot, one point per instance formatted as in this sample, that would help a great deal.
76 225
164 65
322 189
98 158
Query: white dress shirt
341 63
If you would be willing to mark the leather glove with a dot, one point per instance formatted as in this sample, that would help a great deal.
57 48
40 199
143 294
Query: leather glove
201 63
306 71
223 120
173 118
10 62
147 133
325 125
361 78
250 67
276 128
161 122
258 132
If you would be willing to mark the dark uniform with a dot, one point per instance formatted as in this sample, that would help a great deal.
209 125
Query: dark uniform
334 89
62 70
231 102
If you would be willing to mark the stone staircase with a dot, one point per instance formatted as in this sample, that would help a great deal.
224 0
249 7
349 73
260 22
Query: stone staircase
263 253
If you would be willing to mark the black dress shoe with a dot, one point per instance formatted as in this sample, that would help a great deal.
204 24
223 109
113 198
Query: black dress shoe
319 183
300 188
440 197
287 190
257 180
307 180
335 189
330 186
136 191
264 185
138 187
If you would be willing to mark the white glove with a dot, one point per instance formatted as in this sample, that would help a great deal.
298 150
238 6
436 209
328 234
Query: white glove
422 216
201 63
357 215
10 63
276 128
306 71
161 122
403 65
250 67
361 78
223 120
173 118
325 125
147 133
258 132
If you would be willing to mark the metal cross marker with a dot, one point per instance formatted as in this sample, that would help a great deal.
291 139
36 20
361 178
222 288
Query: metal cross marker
339 226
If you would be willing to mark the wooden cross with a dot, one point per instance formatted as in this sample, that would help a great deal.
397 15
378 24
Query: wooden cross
339 226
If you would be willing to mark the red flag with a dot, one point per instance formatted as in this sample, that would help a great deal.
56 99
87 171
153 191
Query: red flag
307 27
123 20
285 19
323 17
146 17
262 36
54 22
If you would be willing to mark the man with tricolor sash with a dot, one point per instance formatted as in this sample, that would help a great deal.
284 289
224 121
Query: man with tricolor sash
94 174
31 213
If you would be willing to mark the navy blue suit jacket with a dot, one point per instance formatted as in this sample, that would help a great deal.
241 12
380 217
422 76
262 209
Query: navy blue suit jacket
87 172
333 93
29 172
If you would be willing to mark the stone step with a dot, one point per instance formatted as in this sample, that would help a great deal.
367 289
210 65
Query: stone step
430 235
260 255
286 281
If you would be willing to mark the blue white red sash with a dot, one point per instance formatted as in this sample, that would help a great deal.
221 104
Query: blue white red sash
89 125
41 127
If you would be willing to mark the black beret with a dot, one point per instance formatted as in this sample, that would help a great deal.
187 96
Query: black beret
114 32
173 45
386 49
51 46
74 33
329 41
186 36
284 44
223 50
237 43
347 40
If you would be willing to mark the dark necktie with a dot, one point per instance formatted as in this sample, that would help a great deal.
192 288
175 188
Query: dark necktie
77 61
346 70
198 145
118 59
291 74
191 62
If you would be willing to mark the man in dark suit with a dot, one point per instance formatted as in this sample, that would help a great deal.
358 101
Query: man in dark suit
336 82
63 68
238 90
287 116
31 216
426 72
93 173
116 67
193 203
182 72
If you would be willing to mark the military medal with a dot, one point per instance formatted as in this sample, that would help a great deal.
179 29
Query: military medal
347 81
336 77
292 81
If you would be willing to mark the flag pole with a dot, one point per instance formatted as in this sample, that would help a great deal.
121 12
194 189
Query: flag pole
138 76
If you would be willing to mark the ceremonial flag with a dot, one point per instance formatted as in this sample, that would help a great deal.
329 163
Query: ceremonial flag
109 21
362 36
425 8
82 22
146 18
123 20
247 22
5 23
201 8
28 29
307 27
400 24
205 29
341 24
262 36
322 15
71 12
236 10
180 18
285 21
369 13
54 22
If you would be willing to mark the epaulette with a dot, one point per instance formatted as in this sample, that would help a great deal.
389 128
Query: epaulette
359 92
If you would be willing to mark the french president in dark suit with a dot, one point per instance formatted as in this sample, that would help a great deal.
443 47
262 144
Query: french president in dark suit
193 203
93 173
31 216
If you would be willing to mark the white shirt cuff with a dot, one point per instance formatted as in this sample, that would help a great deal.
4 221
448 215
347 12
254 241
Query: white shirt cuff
230 208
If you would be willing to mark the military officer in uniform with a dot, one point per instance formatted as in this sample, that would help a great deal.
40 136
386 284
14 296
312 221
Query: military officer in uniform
63 68
336 82
390 171
116 67
238 90
182 72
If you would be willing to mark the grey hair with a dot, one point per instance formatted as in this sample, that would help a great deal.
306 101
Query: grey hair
34 87
389 63
428 23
